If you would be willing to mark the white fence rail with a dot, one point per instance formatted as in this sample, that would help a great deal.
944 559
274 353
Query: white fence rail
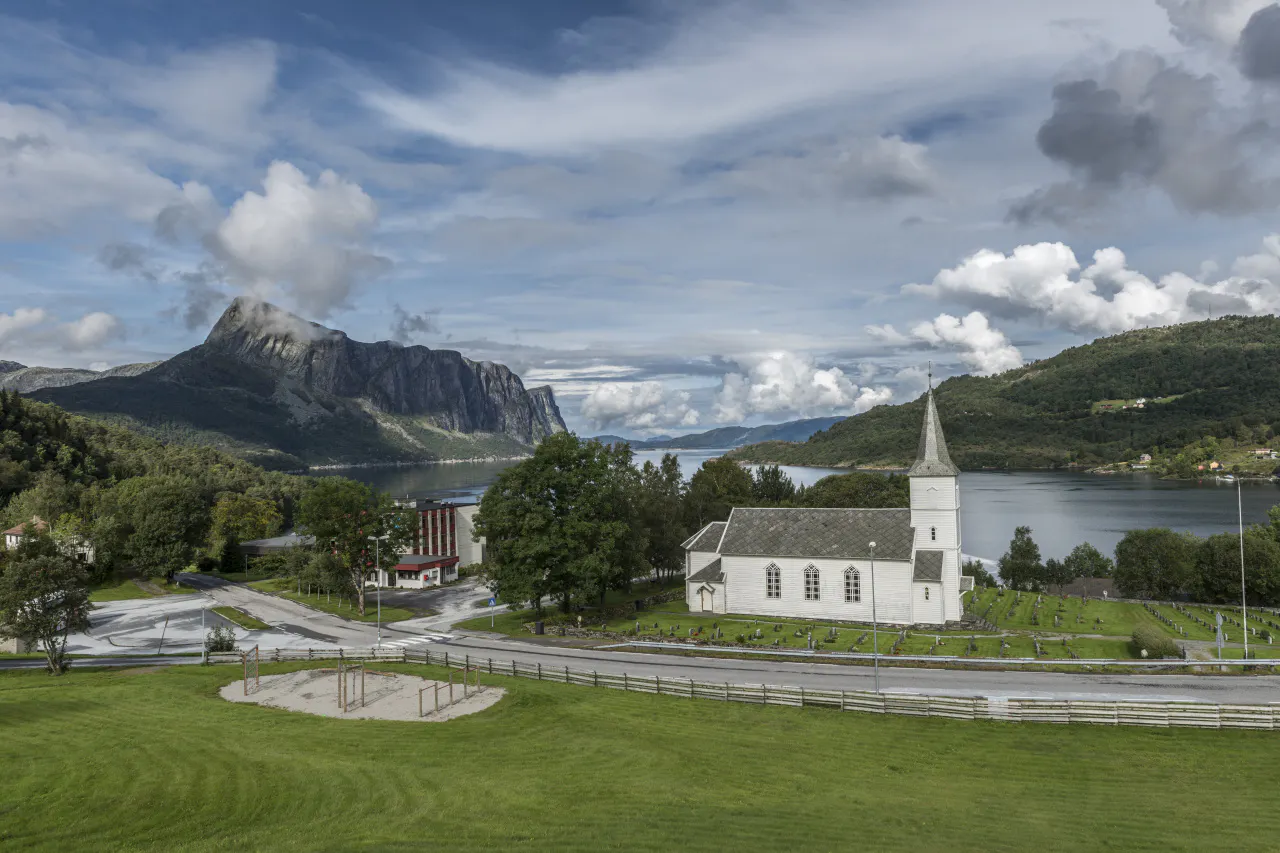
1007 709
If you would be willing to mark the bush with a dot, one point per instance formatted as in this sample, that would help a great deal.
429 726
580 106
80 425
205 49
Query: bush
220 639
1156 644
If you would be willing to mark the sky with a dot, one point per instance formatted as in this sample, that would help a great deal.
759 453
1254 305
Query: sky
679 215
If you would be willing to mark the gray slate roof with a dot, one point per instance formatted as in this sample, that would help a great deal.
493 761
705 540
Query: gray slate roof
840 534
928 566
709 573
932 459
705 539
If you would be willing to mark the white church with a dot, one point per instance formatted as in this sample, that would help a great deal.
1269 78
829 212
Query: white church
816 563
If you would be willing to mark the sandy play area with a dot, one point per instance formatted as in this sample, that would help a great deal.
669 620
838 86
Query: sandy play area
386 696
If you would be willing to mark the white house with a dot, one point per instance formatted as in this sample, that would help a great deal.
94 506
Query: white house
817 563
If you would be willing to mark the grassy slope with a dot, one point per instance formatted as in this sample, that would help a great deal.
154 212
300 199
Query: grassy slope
94 761
1221 373
124 590
244 620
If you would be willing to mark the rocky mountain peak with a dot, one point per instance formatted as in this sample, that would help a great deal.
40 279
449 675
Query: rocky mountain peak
253 319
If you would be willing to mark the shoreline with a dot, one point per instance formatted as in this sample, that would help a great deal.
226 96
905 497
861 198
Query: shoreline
341 466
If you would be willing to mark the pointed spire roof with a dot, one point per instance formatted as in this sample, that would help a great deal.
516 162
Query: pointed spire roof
932 459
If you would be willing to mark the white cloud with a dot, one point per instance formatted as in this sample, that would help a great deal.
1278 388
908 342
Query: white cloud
789 383
729 65
91 330
882 167
14 325
983 348
1216 22
52 174
37 328
1045 281
303 239
638 405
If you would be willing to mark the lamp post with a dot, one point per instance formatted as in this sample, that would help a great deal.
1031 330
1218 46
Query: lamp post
1244 607
875 637
377 583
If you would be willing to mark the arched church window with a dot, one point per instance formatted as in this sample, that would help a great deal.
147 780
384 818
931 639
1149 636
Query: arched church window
933 534
852 586
926 593
772 582
811 588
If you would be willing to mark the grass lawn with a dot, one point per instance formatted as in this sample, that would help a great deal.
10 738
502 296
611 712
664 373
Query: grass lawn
240 577
244 620
118 590
93 761
344 607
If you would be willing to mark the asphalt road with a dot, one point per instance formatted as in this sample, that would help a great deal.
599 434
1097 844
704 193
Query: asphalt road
297 626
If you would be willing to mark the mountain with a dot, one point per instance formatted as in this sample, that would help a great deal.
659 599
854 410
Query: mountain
1213 378
284 391
726 437
23 379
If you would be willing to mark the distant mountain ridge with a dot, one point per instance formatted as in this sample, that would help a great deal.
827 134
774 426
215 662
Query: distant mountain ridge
729 437
1216 378
284 391
23 379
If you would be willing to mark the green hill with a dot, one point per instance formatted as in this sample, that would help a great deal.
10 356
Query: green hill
1213 378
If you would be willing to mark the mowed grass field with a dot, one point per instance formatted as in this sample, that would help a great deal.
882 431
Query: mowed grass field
155 760
337 605
1119 618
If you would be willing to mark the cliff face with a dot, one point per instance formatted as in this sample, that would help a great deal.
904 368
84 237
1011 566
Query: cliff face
273 382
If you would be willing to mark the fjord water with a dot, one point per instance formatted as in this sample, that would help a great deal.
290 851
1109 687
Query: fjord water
1063 509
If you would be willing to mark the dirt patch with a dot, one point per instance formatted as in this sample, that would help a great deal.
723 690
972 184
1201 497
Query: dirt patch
386 696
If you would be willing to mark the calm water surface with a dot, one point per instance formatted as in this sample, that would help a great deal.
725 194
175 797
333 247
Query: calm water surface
1062 509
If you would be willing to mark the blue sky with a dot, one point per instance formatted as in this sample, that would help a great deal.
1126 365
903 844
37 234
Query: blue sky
679 215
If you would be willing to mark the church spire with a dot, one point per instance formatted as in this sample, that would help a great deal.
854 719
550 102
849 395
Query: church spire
932 459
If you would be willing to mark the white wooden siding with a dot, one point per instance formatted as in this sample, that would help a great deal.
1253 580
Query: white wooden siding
745 593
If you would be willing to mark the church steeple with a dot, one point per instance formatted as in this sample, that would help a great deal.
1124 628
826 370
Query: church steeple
932 459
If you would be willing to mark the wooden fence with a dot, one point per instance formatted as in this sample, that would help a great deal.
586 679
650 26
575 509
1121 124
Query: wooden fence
1115 713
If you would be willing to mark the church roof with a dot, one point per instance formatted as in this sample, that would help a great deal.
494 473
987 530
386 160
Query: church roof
932 459
928 566
711 572
840 534
705 539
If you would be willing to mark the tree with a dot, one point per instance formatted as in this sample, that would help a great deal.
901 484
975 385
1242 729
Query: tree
45 598
342 515
976 570
1056 573
563 522
237 518
1217 570
1086 561
860 489
770 486
1020 567
1155 563
662 495
168 520
715 489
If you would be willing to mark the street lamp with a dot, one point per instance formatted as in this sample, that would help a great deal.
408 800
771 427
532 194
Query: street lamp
377 582
1244 606
875 637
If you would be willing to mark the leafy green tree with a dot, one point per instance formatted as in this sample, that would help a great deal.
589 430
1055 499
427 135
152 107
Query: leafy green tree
770 486
976 570
237 518
1020 567
1086 561
1217 569
168 519
1155 563
1056 573
859 489
715 489
563 522
662 495
45 598
342 515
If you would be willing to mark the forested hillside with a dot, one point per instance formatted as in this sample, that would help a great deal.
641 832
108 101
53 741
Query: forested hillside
141 503
1217 377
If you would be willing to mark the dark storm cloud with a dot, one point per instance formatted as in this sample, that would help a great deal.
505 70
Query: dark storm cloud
1144 123
406 327
1259 49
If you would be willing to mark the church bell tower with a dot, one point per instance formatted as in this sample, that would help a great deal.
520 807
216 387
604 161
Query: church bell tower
935 515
